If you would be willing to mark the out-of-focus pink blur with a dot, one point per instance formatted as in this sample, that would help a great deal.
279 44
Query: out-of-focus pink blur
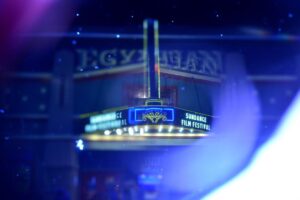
19 18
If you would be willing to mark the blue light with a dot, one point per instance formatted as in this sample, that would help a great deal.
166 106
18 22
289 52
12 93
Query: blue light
119 131
160 128
135 113
146 129
107 132
130 131
118 36
79 144
74 42
142 131
149 179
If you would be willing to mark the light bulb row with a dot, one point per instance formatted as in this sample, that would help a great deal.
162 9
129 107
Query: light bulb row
140 130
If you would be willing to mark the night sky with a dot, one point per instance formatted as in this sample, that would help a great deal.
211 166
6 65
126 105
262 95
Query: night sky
274 16
267 17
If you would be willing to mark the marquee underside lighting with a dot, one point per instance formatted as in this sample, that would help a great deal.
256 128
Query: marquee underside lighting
99 137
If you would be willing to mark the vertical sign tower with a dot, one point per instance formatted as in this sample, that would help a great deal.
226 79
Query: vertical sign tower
151 56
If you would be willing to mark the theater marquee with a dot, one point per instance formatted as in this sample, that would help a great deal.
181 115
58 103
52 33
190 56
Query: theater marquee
153 119
148 119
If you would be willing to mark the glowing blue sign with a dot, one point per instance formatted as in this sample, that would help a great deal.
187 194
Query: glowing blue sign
151 115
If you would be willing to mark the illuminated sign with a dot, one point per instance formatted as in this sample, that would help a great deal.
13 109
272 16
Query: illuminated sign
194 61
152 118
105 121
152 115
105 117
195 121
